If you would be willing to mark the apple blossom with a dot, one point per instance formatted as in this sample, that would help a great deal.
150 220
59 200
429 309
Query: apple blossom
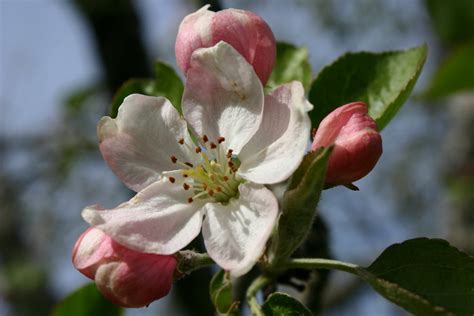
244 140
245 31
358 144
127 278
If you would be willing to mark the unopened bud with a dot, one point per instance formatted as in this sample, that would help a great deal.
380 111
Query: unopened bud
248 33
357 143
125 277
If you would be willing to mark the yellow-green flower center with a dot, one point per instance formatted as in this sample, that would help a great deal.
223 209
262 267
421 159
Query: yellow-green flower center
215 177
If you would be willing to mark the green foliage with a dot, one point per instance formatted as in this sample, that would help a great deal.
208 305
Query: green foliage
86 301
281 304
456 74
291 64
424 276
382 80
454 20
220 289
166 83
299 205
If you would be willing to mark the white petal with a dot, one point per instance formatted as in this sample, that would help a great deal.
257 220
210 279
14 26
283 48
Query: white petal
158 219
138 144
223 96
235 234
278 147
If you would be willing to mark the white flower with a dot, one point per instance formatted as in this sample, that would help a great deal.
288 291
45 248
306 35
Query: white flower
245 140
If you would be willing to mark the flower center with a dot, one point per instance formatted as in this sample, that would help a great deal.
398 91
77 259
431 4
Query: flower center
214 177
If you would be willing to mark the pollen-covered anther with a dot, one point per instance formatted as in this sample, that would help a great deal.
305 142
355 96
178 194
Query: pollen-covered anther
213 146
189 164
198 150
181 141
190 200
205 139
218 189
174 159
210 192
172 179
225 178
186 186
229 153
221 139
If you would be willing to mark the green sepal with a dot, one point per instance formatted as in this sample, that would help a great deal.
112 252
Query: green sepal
220 290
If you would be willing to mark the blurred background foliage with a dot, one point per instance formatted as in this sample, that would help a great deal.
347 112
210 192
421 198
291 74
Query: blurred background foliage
62 61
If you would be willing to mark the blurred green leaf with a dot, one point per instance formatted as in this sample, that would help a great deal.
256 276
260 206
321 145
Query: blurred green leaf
382 80
299 205
220 289
456 74
454 20
291 64
86 301
424 276
166 83
281 304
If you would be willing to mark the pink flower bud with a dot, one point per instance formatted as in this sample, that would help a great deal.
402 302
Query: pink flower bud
245 31
357 143
126 277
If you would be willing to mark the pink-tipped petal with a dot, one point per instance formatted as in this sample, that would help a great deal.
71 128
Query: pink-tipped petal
357 143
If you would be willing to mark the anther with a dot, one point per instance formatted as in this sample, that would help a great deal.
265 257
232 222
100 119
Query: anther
225 178
172 180
213 146
210 192
173 159
204 138
190 200
185 175
218 189
197 150
181 141
189 164
186 186
229 153
221 139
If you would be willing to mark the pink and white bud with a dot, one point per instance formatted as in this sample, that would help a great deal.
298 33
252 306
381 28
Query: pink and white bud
125 277
248 33
357 143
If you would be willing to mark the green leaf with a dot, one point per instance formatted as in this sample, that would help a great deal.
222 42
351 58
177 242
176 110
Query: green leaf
299 205
281 304
291 64
456 74
166 83
382 80
454 20
220 289
86 301
424 276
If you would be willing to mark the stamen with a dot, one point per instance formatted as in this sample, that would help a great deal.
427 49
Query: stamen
225 178
213 146
229 153
186 186
210 192
190 200
181 141
173 159
198 150
204 138
172 179
218 189
221 139
189 164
